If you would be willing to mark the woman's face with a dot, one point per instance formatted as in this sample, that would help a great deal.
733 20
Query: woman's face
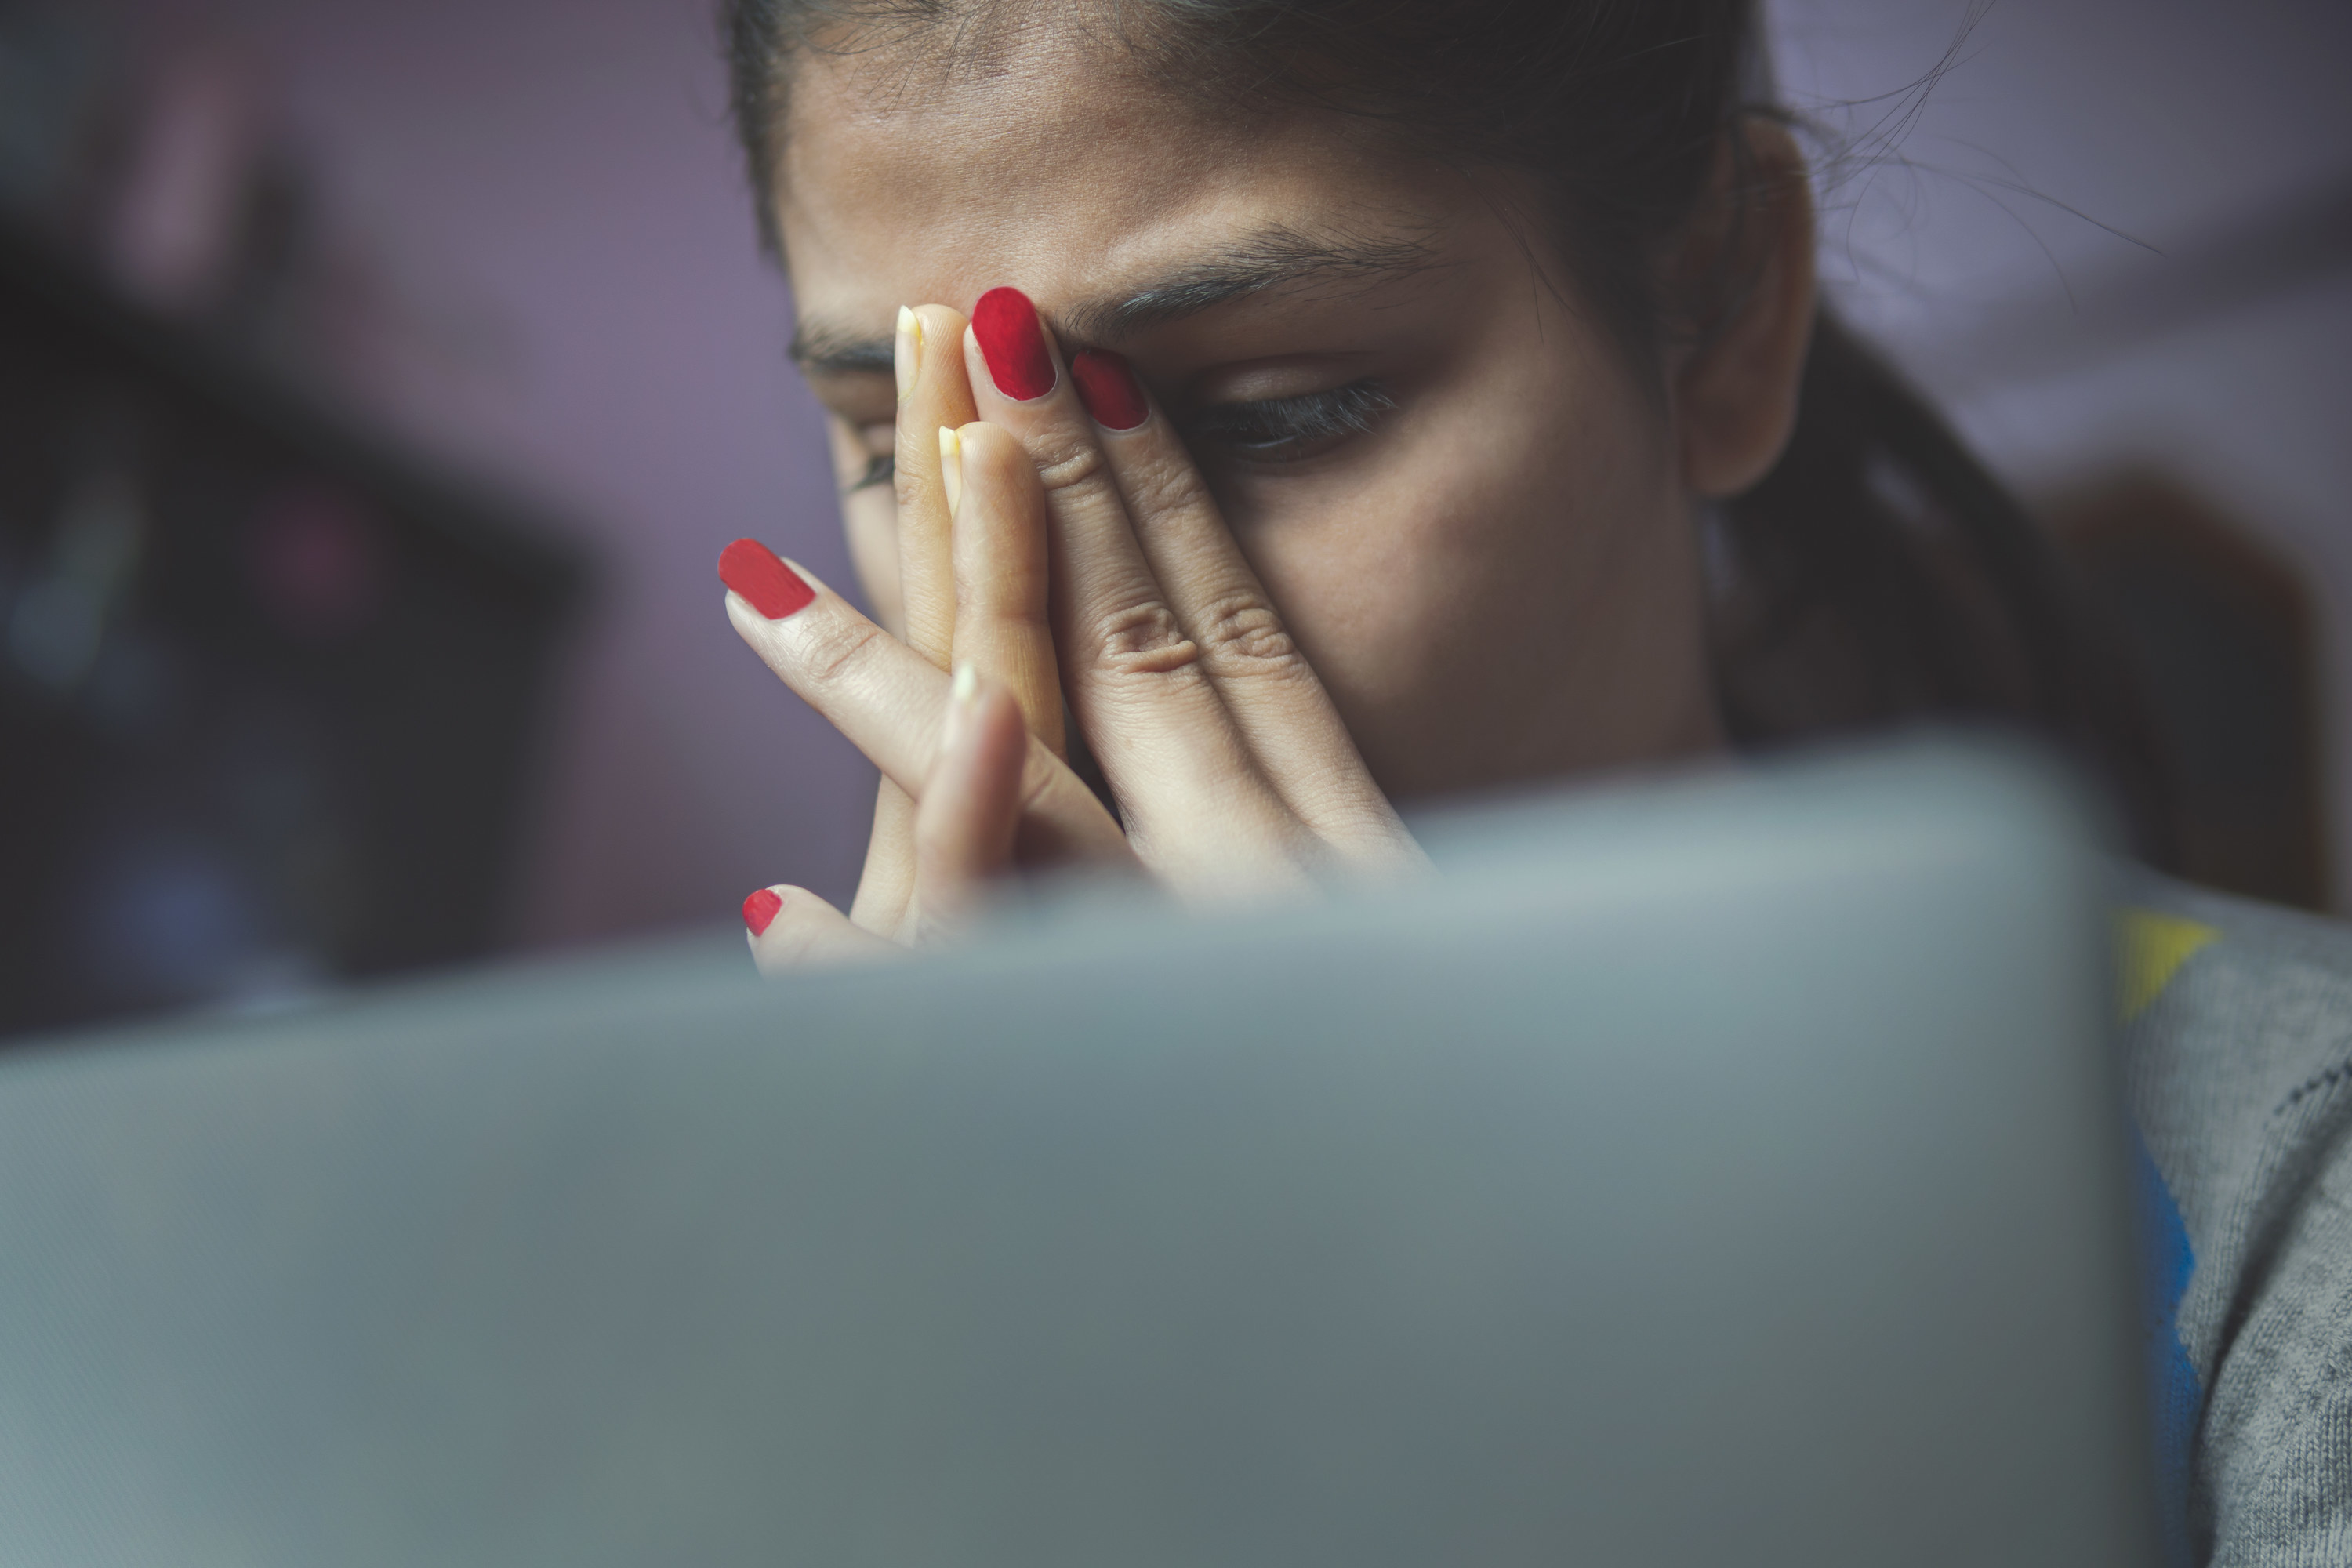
1470 513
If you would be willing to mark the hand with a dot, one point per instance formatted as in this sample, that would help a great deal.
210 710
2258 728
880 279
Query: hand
910 553
987 794
1229 764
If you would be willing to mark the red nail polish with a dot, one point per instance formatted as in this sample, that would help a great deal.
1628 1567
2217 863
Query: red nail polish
766 583
1012 343
759 912
1109 390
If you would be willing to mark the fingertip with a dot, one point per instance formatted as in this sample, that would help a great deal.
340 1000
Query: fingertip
765 580
802 932
760 911
749 623
984 732
765 588
1108 391
955 726
991 702
907 352
952 469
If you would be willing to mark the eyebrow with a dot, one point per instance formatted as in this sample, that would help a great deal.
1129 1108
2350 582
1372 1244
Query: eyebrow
828 351
1273 257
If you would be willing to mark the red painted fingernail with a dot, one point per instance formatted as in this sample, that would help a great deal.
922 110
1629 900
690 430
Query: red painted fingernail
760 911
766 583
1012 344
1109 390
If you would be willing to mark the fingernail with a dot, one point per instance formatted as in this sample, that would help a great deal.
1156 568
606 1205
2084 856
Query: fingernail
1109 390
907 355
1013 344
759 912
951 468
750 569
961 696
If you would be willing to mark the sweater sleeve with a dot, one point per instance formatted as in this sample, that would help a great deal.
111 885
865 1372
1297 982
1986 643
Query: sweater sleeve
2274 1456
2237 1054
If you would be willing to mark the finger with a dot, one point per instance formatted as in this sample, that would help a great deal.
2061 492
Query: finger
913 535
1277 703
886 888
1135 681
888 700
1001 626
792 928
936 393
972 805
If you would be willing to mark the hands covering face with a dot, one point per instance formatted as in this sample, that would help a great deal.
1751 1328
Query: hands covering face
1056 540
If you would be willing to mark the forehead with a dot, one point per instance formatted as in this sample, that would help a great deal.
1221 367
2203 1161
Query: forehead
908 175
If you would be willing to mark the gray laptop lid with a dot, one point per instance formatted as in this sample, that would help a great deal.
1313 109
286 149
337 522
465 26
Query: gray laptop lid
1724 1175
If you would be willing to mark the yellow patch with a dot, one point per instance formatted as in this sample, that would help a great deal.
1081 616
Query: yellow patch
2150 948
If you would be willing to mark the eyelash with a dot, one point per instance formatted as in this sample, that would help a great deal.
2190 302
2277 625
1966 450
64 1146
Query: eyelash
1273 430
1286 429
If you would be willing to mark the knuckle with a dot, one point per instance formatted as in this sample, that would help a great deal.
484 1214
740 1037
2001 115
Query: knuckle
1241 635
915 478
1143 638
1067 464
1162 489
910 489
834 649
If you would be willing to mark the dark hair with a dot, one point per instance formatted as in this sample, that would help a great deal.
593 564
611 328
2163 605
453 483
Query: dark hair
1878 574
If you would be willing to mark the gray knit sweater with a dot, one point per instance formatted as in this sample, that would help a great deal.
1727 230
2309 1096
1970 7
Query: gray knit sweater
2236 1046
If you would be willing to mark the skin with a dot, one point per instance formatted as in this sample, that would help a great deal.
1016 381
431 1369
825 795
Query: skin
1494 581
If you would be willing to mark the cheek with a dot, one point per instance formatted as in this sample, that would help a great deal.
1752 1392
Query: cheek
1487 584
1415 597
1471 547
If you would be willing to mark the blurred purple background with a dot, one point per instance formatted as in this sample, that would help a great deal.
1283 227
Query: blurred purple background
550 213
546 271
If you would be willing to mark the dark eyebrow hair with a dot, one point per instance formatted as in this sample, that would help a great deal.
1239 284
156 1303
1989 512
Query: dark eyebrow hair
1270 259
824 351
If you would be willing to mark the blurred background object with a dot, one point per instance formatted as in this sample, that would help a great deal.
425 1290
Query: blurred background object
2112 239
2223 630
272 691
298 286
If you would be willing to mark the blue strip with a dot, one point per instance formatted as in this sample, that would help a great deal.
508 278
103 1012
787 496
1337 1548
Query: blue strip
2175 1398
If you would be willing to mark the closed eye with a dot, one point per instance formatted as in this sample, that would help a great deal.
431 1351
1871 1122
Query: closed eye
1289 429
880 469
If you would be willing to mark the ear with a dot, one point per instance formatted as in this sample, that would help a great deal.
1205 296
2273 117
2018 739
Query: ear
1746 266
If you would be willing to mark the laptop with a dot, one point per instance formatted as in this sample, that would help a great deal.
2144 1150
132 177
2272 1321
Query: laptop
1725 1171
